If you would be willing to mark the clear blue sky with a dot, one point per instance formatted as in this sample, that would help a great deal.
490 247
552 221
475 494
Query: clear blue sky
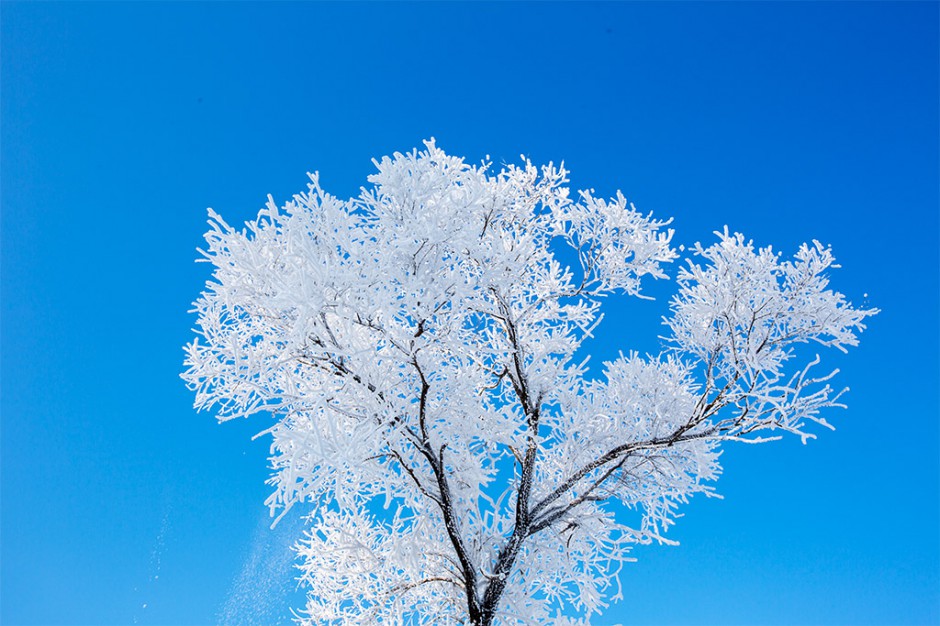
122 122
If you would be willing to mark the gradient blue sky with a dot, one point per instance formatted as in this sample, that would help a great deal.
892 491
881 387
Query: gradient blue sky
122 122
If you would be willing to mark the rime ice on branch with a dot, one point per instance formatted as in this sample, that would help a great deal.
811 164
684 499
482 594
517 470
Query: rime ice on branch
417 347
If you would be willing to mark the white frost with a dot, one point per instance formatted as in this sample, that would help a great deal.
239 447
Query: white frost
416 346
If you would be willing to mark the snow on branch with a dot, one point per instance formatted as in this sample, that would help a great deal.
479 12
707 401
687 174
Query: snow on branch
417 349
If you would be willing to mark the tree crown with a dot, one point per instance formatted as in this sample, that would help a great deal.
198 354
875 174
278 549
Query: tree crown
418 348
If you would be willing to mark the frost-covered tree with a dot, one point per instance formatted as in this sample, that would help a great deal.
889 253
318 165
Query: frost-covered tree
418 349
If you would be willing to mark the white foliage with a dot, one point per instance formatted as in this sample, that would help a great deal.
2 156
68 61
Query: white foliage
417 348
742 314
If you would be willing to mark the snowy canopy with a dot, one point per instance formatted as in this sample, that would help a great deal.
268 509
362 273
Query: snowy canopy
418 348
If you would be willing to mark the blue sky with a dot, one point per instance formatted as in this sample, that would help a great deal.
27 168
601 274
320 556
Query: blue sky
122 122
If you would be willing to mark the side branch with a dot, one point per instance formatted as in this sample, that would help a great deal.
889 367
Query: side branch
531 408
703 410
446 501
620 454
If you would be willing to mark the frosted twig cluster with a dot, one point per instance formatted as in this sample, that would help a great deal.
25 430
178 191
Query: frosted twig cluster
418 347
